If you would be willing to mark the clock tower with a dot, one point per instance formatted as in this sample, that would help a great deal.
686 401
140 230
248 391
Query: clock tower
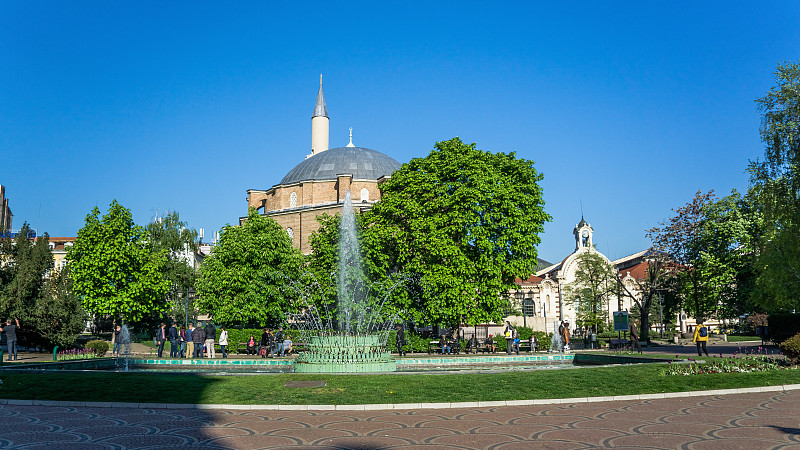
583 235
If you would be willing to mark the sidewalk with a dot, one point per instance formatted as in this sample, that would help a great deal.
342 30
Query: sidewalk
752 421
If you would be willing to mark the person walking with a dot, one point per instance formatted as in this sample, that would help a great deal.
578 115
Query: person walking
701 337
265 344
635 337
211 335
189 341
400 339
161 338
198 337
223 342
174 341
11 338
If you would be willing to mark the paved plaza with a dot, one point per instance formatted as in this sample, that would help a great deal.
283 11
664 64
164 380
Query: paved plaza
747 421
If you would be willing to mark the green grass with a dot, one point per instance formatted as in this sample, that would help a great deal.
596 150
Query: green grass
358 389
743 338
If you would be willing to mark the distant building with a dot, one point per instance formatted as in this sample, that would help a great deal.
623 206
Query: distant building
5 211
319 184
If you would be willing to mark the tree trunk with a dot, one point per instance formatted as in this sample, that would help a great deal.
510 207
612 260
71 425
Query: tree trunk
644 332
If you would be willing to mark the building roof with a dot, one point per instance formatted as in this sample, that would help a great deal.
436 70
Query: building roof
361 163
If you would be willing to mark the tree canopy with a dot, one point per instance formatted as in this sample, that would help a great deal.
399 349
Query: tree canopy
174 239
31 291
245 276
114 270
594 285
465 224
776 181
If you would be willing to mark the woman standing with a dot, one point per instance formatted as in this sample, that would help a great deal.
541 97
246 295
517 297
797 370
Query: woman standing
223 342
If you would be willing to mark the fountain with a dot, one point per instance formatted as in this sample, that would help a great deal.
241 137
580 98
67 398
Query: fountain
556 343
123 357
353 339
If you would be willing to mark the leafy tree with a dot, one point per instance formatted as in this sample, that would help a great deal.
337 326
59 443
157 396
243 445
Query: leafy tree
776 181
22 273
114 270
727 242
682 238
594 285
40 299
465 223
172 237
58 316
245 277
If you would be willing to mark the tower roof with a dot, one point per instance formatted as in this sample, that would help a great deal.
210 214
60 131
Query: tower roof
320 110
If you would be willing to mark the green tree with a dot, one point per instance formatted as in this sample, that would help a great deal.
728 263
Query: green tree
172 237
593 287
776 181
39 297
23 273
727 242
682 238
464 223
245 278
114 270
58 316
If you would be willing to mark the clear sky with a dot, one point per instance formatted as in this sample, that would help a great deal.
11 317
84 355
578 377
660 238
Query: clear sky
627 108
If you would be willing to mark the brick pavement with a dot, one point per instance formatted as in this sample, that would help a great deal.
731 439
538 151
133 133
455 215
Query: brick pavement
751 421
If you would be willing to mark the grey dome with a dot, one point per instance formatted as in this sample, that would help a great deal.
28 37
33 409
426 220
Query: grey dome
361 163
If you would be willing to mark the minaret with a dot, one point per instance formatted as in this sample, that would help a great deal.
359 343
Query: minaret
319 124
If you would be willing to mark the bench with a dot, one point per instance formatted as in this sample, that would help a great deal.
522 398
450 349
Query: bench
434 347
617 343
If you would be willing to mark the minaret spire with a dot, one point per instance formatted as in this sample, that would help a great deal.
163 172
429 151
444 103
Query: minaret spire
351 138
320 110
320 123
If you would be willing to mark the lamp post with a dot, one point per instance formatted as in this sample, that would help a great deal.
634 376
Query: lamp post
520 295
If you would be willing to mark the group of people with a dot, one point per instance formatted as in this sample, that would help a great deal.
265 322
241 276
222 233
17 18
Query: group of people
191 342
270 344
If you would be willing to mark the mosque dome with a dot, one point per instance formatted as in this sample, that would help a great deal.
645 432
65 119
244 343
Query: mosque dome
361 163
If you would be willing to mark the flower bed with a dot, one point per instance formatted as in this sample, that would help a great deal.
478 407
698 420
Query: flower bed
75 353
735 364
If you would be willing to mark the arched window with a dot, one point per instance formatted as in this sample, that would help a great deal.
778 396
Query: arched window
364 195
293 200
527 307
290 232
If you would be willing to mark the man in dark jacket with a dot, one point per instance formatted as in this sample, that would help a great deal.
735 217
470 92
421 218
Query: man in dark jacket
174 344
279 341
211 334
199 338
400 339
11 338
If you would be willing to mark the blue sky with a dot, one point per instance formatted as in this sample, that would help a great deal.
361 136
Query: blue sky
627 108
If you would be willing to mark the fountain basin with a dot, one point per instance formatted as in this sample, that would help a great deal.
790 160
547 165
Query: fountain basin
345 354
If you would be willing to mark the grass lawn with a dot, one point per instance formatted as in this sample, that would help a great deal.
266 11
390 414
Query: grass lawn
743 338
358 389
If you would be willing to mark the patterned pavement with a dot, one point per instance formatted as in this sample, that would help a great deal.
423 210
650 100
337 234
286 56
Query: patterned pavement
751 421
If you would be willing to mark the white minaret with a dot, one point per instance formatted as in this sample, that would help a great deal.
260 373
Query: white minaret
319 124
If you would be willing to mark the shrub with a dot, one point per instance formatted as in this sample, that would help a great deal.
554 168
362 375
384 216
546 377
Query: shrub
791 348
98 347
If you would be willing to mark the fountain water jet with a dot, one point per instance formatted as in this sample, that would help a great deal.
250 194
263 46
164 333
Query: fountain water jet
124 355
355 341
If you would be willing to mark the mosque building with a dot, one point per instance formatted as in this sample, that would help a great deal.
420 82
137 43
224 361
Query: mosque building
319 183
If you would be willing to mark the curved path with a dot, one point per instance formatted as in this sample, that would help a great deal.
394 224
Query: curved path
752 420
